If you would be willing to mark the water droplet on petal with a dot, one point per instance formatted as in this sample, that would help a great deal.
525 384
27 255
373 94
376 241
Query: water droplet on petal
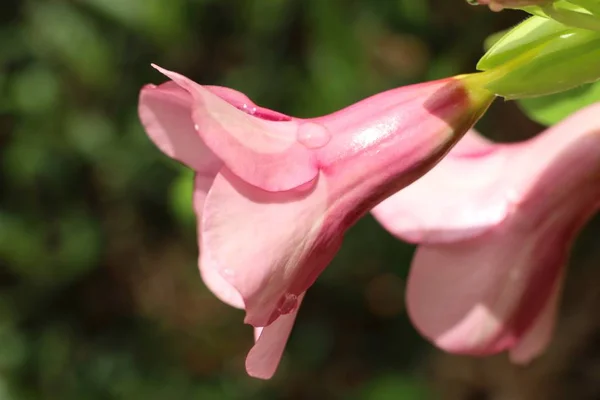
313 135
196 127
228 272
248 110
287 304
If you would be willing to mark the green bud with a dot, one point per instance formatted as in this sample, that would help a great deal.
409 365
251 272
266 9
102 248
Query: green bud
524 38
573 13
539 57
592 6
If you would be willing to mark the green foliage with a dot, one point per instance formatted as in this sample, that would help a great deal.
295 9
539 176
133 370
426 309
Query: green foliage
548 110
393 387
539 57
574 13
182 190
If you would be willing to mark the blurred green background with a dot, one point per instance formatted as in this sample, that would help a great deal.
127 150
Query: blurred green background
100 297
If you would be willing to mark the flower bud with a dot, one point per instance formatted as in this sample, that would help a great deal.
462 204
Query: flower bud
539 57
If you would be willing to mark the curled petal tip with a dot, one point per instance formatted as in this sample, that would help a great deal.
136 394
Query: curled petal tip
263 152
264 357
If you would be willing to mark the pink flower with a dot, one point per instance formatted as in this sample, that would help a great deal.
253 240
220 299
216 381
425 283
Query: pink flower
495 223
274 194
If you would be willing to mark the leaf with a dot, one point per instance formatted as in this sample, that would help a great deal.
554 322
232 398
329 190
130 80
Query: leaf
565 62
494 38
528 35
548 110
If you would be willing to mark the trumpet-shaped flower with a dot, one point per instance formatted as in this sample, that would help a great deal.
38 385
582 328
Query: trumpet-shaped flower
495 223
274 194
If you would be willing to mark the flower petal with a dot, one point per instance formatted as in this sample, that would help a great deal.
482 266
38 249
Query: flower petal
240 101
270 246
458 199
263 152
231 96
166 113
482 296
472 144
538 337
409 123
208 269
263 359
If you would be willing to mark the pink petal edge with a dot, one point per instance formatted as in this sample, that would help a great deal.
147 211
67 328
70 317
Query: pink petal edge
165 112
262 242
457 200
478 297
539 336
264 153
264 357
209 271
